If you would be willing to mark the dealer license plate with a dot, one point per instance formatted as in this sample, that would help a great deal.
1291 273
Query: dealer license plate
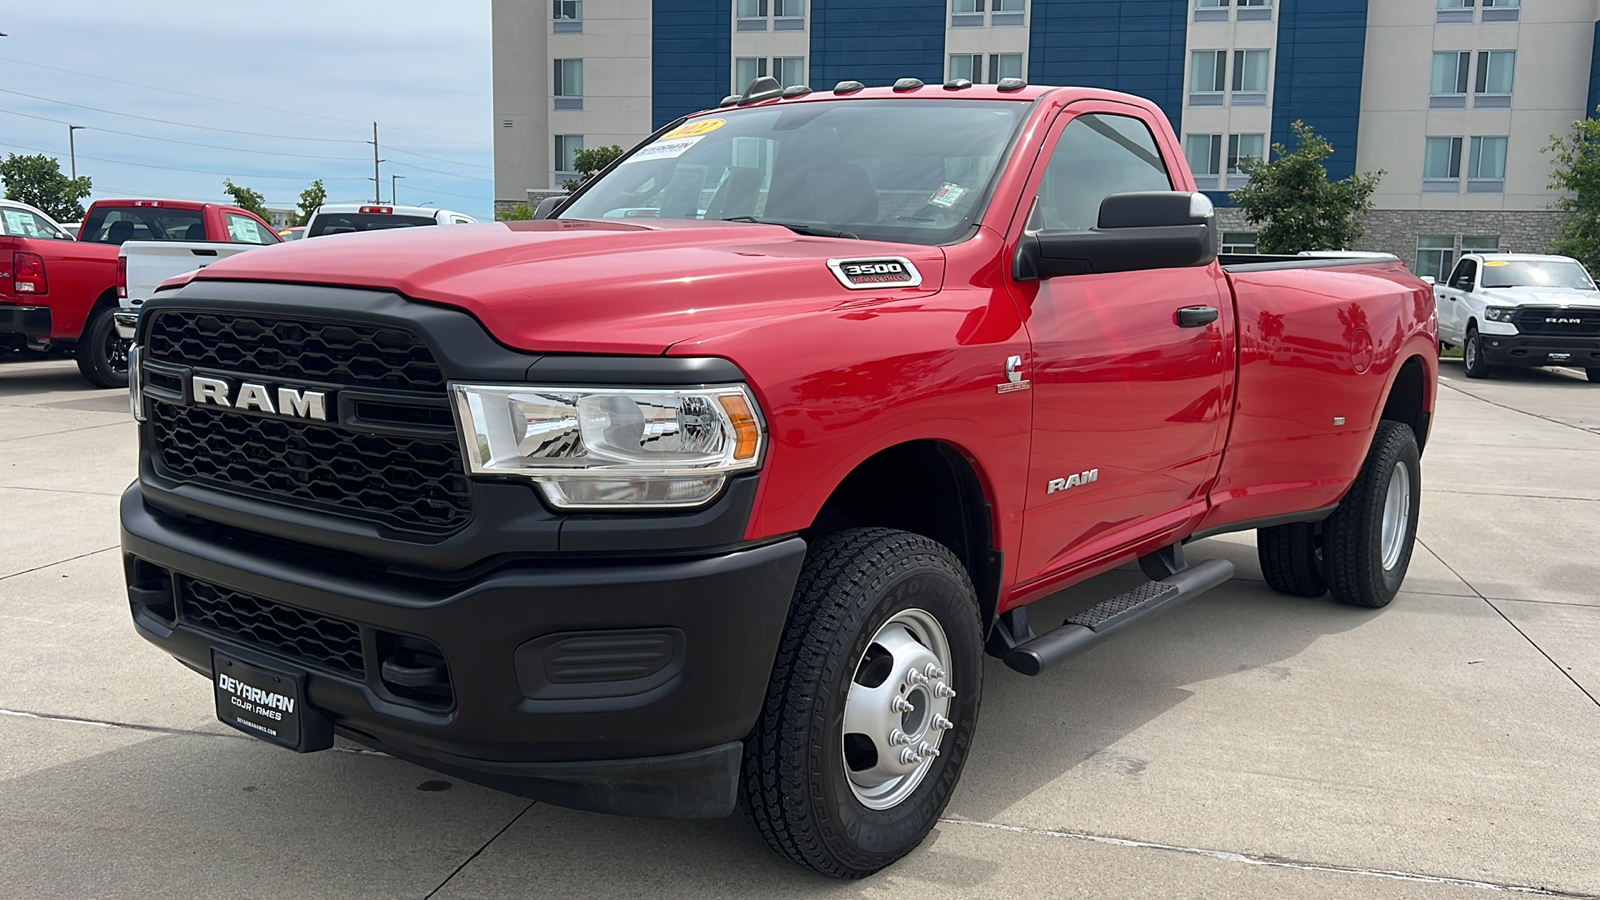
260 701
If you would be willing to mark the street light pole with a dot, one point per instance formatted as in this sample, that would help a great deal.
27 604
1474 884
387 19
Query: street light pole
394 199
72 148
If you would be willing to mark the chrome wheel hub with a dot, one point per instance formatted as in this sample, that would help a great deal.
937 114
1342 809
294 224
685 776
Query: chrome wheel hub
1396 516
898 709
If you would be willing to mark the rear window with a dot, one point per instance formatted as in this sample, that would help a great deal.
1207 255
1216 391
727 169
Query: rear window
347 223
121 224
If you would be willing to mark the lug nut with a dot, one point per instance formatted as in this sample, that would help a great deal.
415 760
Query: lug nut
943 690
915 678
943 724
932 670
899 737
908 756
900 705
927 751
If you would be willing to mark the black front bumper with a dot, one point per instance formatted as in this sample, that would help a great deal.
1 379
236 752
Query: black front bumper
662 744
1540 350
31 321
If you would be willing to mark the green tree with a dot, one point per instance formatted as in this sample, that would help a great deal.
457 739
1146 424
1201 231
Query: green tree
522 212
311 198
245 198
38 181
588 162
1577 176
1290 198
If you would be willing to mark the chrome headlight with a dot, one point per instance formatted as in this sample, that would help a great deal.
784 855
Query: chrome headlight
611 447
1499 313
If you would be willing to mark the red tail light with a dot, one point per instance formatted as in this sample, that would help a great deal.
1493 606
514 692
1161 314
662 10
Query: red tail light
380 210
27 274
122 277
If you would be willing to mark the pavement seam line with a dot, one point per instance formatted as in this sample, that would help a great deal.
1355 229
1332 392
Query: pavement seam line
468 861
18 487
1252 859
1501 613
59 562
1535 415
161 729
1516 495
67 431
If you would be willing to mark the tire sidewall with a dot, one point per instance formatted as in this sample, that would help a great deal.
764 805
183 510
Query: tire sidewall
876 837
91 351
1472 356
1396 446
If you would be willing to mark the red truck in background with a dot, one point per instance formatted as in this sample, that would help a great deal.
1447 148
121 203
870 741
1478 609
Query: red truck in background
54 290
719 484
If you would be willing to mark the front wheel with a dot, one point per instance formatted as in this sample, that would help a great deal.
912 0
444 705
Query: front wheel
101 353
1472 356
872 705
1368 540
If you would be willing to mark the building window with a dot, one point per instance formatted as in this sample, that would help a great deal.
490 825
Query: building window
1250 76
1208 77
1480 243
747 69
1450 73
1486 166
1242 147
1239 243
1454 11
1441 165
1014 6
750 9
967 6
1435 255
1501 10
569 83
1204 153
567 147
1495 71
968 66
567 16
1211 10
1004 65
789 70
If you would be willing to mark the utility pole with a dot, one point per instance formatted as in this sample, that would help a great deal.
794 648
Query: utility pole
72 148
377 183
394 199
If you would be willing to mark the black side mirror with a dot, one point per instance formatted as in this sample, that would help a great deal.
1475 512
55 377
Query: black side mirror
1136 232
547 207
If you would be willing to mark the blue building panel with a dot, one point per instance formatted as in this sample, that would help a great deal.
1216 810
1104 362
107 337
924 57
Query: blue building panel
1136 46
1317 79
691 62
1594 74
876 43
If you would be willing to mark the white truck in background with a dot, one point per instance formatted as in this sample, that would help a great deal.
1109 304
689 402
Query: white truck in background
1520 309
350 218
143 265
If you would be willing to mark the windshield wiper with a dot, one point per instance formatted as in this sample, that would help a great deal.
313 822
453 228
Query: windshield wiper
807 230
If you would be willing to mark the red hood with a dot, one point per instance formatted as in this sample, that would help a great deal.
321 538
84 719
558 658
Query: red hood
587 286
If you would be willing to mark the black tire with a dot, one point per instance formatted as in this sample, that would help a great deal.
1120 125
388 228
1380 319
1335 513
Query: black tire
1594 375
102 356
795 782
1472 356
1353 537
1291 559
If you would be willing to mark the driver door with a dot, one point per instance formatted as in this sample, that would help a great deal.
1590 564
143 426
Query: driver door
1454 310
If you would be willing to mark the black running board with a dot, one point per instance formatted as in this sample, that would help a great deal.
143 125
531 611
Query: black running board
1099 622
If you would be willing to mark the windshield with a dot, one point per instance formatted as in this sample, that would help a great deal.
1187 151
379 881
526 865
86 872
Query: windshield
916 171
346 223
1504 273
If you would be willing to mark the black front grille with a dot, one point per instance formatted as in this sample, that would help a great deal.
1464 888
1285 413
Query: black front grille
410 483
1558 322
413 481
296 350
298 634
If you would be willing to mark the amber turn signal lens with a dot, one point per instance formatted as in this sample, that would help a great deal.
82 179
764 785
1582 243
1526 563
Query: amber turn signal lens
746 432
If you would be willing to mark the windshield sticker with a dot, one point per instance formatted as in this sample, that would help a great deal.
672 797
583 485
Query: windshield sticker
947 195
697 128
665 149
874 272
1497 262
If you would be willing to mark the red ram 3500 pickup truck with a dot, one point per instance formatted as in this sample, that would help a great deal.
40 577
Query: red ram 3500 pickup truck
722 482
61 291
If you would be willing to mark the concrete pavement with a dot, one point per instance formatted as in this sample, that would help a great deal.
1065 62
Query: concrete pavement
1246 744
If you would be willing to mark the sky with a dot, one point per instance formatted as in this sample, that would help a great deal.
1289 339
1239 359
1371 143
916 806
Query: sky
177 95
